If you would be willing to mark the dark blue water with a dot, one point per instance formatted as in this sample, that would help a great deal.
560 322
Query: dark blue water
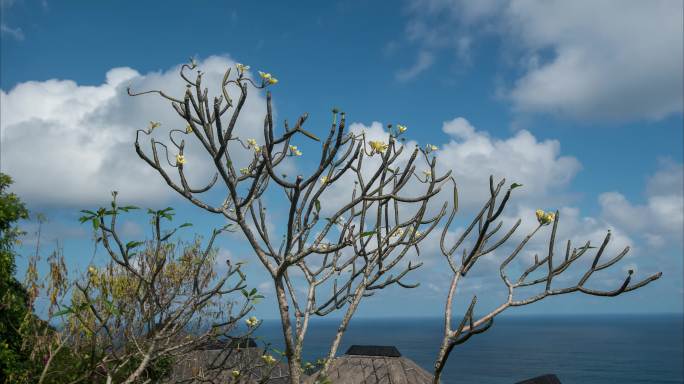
579 350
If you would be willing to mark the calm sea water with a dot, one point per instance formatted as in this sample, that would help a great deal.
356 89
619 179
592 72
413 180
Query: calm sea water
579 350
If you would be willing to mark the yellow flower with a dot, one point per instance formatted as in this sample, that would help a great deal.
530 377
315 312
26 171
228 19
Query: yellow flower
154 124
431 148
188 129
427 173
241 67
545 218
251 143
252 321
378 146
92 270
180 159
257 149
295 151
268 359
266 76
244 171
235 373
272 80
401 128
324 180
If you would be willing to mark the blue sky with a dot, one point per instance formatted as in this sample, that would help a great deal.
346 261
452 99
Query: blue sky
587 97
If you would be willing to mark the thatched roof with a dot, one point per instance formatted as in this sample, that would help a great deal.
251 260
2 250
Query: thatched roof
215 365
376 365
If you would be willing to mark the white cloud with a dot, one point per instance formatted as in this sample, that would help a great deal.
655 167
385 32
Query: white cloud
660 220
473 155
608 60
619 60
66 143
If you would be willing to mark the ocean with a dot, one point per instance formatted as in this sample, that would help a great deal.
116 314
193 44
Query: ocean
597 349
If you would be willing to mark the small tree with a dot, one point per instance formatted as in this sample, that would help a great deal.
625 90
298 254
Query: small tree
484 244
154 305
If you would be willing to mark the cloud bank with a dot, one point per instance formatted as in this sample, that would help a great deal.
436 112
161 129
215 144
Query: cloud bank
607 60
70 144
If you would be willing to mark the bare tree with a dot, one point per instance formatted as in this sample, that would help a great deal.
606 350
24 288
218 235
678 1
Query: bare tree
484 244
154 304
345 256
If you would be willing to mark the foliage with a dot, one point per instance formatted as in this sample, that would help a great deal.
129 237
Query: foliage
13 297
133 319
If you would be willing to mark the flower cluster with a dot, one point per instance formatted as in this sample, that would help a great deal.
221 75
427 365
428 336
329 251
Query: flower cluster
241 67
235 373
294 151
268 359
545 218
180 159
431 148
378 146
324 180
153 125
401 128
268 78
188 129
252 322
252 143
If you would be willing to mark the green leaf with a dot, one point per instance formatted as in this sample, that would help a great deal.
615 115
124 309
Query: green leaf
515 185
133 244
369 233
245 293
63 312
318 205
96 223
185 225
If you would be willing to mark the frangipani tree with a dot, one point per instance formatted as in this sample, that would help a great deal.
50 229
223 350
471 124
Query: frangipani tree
350 252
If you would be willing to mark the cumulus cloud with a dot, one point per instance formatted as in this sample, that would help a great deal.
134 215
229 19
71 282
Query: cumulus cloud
660 220
473 155
70 144
609 60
